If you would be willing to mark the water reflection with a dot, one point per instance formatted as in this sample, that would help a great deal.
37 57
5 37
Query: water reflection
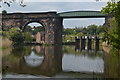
61 61
82 61
33 60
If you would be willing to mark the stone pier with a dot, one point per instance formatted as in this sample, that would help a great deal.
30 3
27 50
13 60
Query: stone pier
96 43
89 43
82 42
49 20
77 43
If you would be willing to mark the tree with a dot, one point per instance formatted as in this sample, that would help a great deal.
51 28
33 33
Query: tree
113 33
28 36
38 29
4 12
9 2
91 29
84 30
80 34
16 36
110 8
100 29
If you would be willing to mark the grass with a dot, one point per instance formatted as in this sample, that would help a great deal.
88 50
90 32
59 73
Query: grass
5 43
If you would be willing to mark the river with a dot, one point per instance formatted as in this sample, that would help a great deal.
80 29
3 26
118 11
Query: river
59 62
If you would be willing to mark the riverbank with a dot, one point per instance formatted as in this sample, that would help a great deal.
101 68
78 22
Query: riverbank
5 43
106 48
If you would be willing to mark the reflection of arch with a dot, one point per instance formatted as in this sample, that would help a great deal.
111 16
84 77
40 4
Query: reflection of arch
33 60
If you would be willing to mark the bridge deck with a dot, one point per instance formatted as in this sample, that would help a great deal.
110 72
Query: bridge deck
81 14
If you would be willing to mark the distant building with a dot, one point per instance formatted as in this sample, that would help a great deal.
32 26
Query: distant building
40 37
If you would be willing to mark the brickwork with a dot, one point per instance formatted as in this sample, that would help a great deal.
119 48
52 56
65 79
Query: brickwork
50 20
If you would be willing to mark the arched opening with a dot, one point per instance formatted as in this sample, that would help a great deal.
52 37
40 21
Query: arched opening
34 32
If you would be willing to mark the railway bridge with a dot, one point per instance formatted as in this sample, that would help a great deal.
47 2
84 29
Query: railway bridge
52 21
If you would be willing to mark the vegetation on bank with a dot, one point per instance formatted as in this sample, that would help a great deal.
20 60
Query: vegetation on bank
16 36
112 33
91 30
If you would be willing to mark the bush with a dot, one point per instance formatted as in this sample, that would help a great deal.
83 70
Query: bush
112 35
5 43
4 12
28 37
16 36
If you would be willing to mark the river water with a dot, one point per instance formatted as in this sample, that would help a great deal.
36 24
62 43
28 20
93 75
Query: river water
59 62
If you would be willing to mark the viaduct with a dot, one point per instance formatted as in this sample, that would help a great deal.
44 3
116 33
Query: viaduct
52 21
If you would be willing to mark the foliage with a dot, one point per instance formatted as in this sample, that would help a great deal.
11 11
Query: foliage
4 12
28 28
80 34
68 31
90 30
38 29
27 50
28 36
100 30
109 9
5 43
69 34
9 2
113 33
70 38
16 35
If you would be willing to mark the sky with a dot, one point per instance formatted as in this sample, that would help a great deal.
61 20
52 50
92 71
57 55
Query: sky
61 7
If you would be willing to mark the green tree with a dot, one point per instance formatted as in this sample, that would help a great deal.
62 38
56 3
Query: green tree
84 30
113 33
4 12
9 2
100 29
91 29
80 34
28 29
28 37
16 36
110 8
38 29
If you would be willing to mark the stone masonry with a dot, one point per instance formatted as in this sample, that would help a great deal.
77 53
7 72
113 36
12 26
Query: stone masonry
50 20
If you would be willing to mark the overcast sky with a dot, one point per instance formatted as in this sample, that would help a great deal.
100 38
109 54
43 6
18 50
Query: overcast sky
61 7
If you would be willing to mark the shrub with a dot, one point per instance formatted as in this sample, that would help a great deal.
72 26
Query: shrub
16 35
4 12
28 37
5 42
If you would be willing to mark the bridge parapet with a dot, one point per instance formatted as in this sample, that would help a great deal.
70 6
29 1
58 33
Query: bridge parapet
28 15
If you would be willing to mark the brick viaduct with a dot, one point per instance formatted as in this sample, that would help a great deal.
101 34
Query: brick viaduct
52 22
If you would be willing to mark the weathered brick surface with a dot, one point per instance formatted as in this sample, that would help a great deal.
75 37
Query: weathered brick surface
50 20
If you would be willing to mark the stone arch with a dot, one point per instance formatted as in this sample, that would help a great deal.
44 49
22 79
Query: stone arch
50 20
40 36
40 22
